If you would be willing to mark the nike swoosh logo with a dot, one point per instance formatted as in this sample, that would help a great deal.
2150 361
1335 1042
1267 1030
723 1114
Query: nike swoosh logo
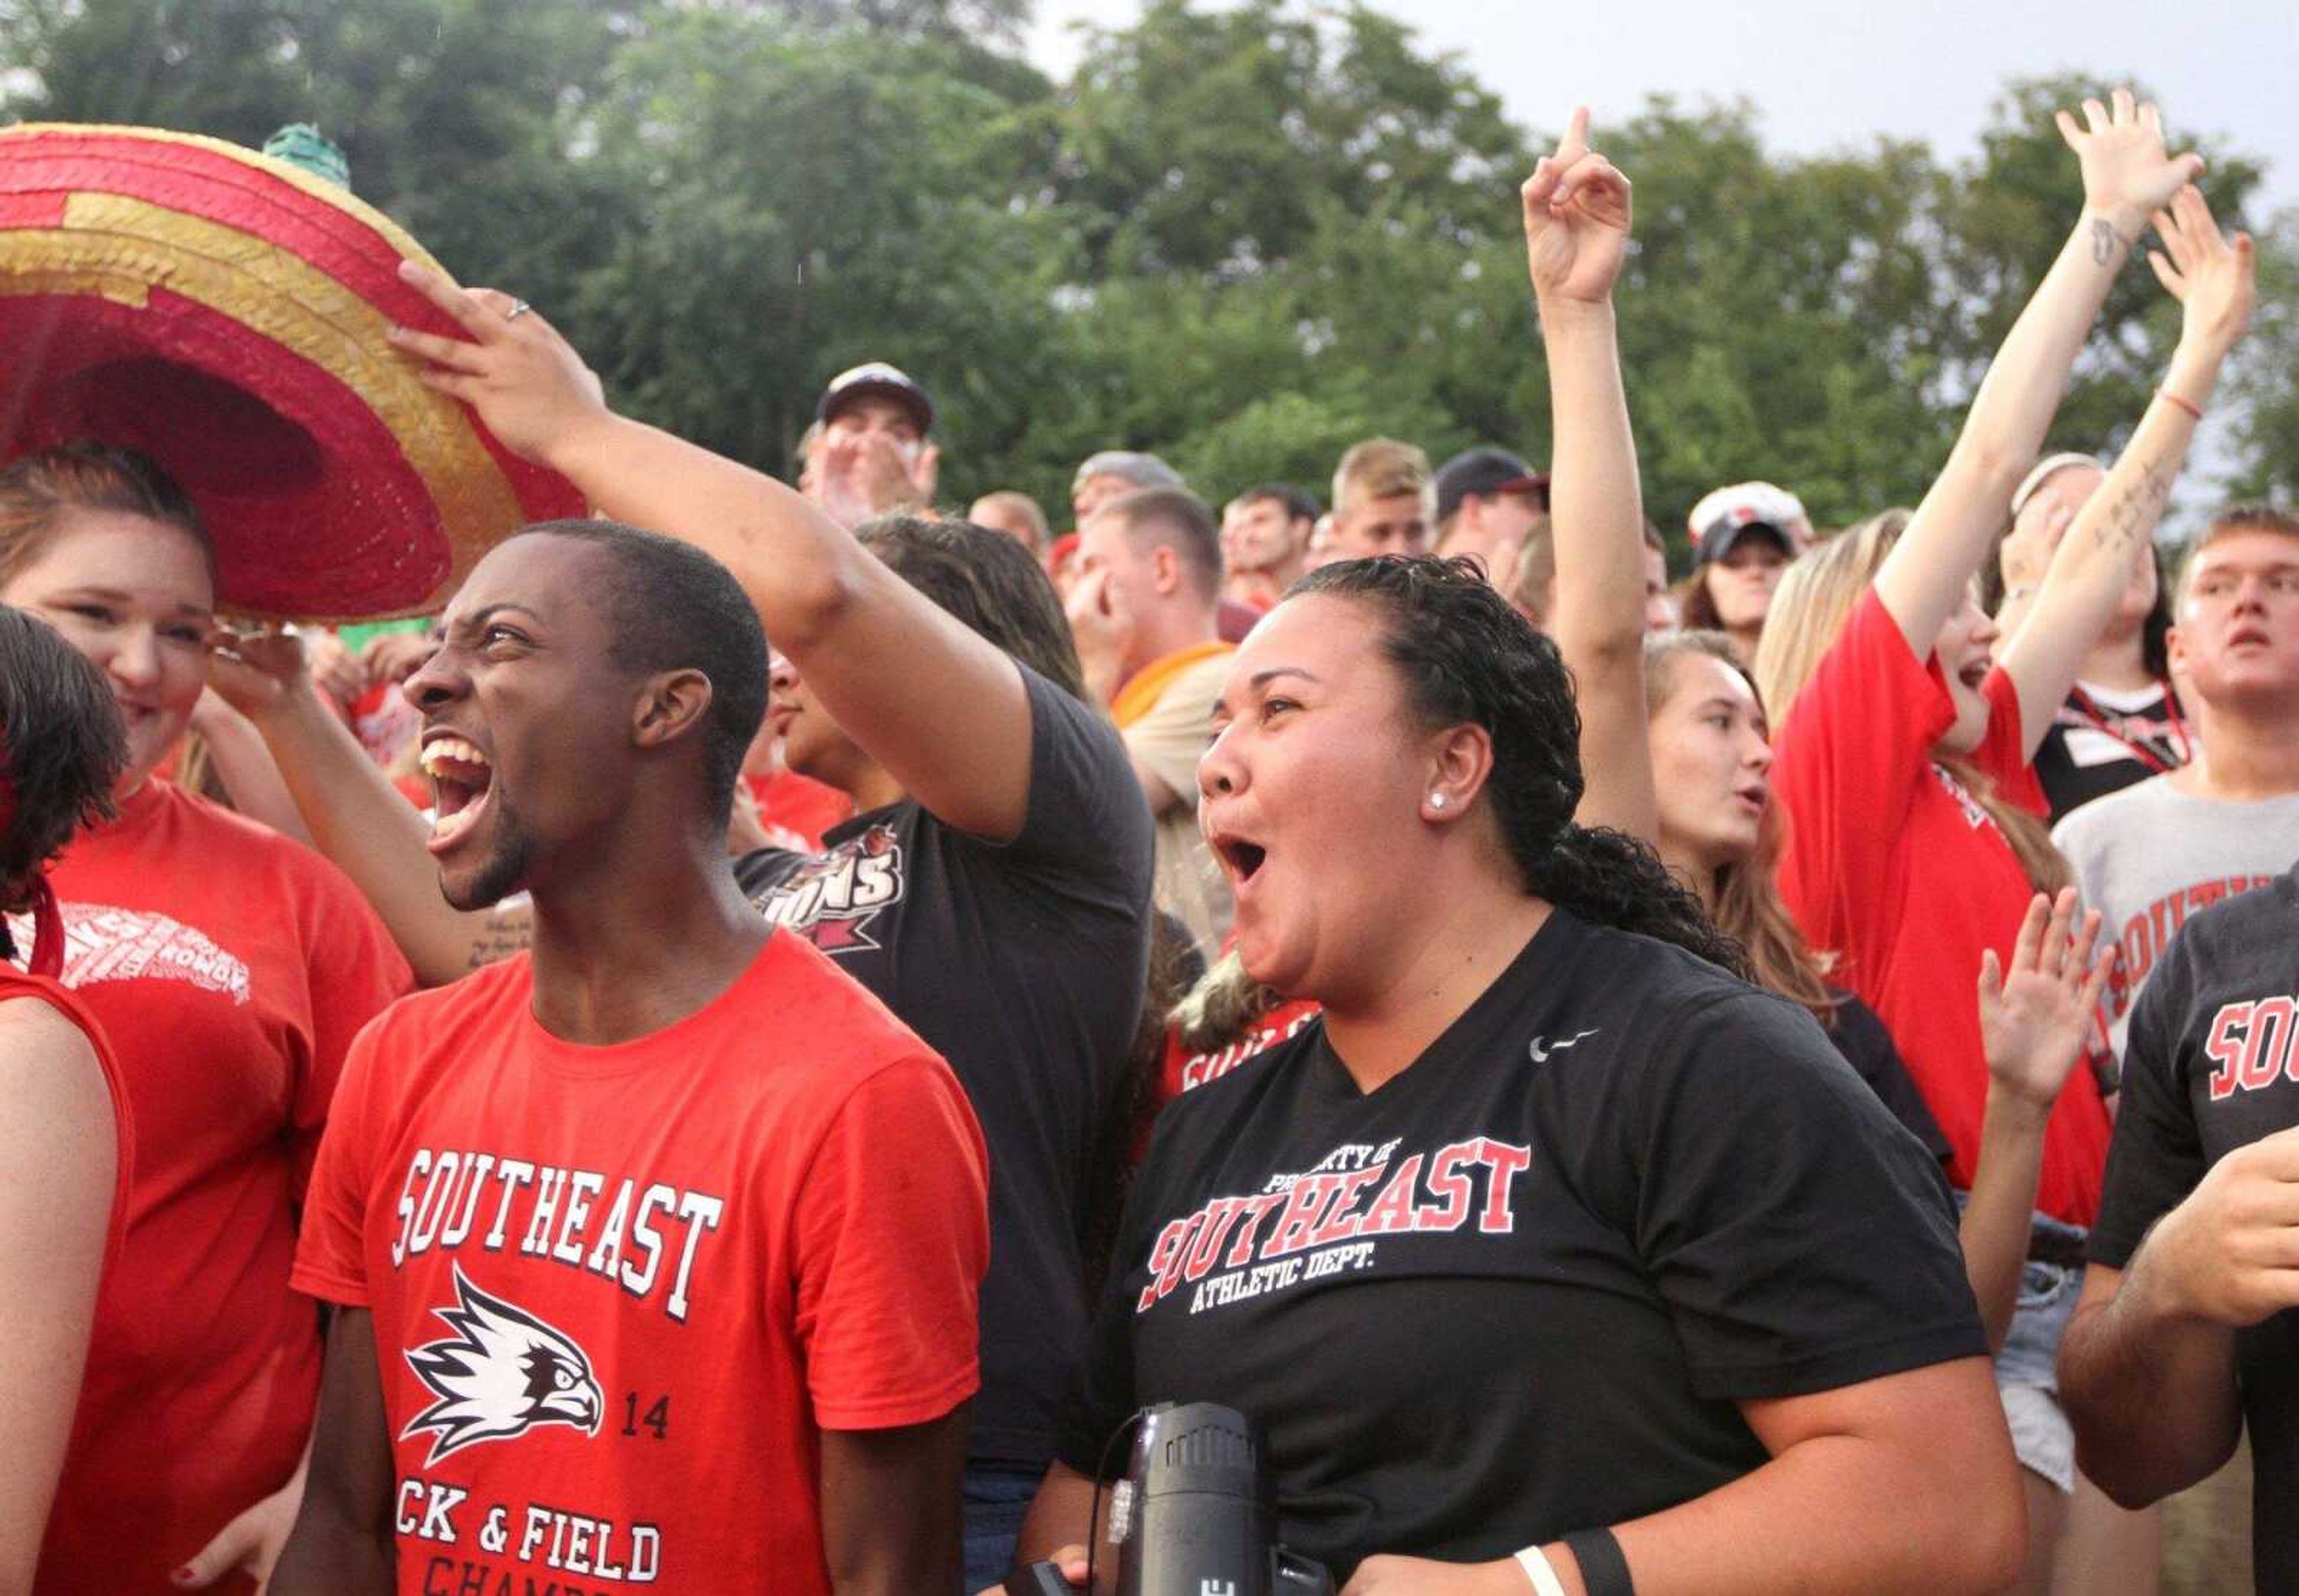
1540 1054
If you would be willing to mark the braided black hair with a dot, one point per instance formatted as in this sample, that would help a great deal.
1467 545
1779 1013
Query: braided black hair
1467 657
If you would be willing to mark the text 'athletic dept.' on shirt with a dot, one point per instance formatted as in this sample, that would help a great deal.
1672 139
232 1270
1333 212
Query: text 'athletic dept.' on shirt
1519 1289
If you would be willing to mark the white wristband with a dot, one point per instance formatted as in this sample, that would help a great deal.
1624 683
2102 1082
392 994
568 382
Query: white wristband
1536 1567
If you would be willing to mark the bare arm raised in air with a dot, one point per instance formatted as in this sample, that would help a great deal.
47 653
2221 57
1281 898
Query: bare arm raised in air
2035 1020
940 707
1577 219
2127 177
2213 280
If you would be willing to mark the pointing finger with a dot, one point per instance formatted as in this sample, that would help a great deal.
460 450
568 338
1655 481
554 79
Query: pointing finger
1575 142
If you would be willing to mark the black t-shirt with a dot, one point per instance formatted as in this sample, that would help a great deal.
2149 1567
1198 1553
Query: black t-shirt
2101 743
1518 1290
1023 963
1861 1037
2208 1066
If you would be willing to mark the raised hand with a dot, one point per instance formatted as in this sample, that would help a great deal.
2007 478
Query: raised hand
2215 279
1577 216
1102 623
526 382
392 657
2036 1019
333 667
2127 176
253 672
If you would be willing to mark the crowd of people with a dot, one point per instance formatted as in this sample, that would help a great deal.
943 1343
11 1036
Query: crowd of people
745 1052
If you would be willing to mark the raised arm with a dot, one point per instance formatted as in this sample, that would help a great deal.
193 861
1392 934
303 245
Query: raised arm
341 1541
356 818
2126 178
1577 218
2035 1020
2213 279
941 708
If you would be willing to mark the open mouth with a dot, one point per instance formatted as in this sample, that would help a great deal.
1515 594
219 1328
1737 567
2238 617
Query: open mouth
462 779
1242 859
1974 676
1753 798
2248 638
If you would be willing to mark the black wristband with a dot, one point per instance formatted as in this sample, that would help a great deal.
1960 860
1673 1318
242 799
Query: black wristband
1603 1571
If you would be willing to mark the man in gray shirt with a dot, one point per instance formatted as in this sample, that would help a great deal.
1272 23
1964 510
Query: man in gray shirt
2149 856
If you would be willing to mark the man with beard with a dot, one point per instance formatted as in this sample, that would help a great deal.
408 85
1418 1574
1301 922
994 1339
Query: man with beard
626 1290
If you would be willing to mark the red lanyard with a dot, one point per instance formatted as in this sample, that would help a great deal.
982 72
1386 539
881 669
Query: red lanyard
2147 756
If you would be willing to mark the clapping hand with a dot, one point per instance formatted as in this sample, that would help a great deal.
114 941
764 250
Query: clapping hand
2127 177
1576 219
2036 1019
2213 279
526 381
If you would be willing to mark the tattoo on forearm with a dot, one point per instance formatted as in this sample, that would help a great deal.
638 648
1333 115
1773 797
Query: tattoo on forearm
2131 516
2103 240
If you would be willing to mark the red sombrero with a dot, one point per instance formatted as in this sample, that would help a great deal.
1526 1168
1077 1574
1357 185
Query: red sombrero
224 313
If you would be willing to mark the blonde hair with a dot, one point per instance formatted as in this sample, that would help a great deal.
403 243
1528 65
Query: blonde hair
1382 468
1809 609
1536 568
1748 905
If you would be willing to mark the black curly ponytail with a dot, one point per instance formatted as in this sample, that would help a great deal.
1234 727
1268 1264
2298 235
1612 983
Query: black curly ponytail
1467 657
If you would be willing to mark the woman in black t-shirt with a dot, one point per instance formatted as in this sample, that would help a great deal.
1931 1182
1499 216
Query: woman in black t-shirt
1547 1228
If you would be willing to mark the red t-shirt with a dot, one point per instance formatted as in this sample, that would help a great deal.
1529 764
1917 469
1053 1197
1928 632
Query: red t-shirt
800 806
229 969
1181 1071
619 1292
1892 863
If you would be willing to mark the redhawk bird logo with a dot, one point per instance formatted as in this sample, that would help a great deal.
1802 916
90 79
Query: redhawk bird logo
504 1373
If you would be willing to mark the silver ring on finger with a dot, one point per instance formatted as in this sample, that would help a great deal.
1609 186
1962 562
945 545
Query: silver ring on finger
518 307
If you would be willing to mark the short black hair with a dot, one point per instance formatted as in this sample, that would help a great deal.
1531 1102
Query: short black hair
61 746
1188 526
1299 505
673 607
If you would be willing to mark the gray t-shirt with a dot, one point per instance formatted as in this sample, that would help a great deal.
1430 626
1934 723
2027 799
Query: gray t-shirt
2149 856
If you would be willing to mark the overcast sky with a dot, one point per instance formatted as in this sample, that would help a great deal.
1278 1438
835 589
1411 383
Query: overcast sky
1826 73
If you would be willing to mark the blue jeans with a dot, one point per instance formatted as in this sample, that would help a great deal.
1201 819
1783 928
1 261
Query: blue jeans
2027 1377
998 1498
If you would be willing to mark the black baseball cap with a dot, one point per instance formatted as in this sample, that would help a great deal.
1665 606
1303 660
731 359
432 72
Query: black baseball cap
877 378
1485 472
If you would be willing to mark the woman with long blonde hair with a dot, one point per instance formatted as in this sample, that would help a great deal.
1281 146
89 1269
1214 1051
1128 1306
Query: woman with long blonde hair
1903 758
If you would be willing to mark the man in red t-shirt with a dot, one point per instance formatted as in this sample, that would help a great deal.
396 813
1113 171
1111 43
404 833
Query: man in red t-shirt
655 1252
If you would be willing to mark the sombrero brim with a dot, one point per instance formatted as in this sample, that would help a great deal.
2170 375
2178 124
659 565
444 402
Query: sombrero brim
225 313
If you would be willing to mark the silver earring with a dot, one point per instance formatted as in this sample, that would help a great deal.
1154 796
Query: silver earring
1436 801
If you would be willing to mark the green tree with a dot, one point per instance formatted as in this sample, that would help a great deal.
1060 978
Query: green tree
2264 398
804 203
